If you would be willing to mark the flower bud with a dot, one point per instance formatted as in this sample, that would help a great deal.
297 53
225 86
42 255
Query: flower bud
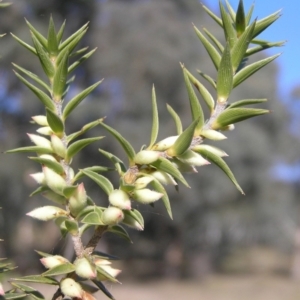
213 135
212 149
45 130
119 199
165 144
40 120
39 178
164 177
84 268
146 157
58 146
146 196
71 288
46 213
131 222
53 261
78 200
54 181
112 215
109 270
182 167
192 158
40 141
2 293
142 182
48 156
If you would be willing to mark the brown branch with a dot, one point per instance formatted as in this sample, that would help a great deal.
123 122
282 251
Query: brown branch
93 242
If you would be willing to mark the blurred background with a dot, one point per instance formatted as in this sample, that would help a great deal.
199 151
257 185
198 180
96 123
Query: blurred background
229 243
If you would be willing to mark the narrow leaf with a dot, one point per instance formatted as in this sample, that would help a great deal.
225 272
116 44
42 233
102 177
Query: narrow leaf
155 120
240 20
230 11
45 99
249 14
176 119
74 102
27 46
246 102
52 39
102 287
263 46
55 122
208 78
225 76
121 168
213 16
214 40
97 169
102 181
42 40
217 160
120 231
247 71
81 60
61 31
54 165
78 145
37 149
124 143
37 279
62 269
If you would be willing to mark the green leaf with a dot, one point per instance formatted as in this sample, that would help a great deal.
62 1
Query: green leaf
240 20
78 145
264 23
230 34
96 169
119 165
249 14
207 97
37 149
44 58
37 279
54 165
165 198
184 140
196 109
28 290
102 181
81 60
84 129
42 40
165 165
155 120
124 143
102 287
217 160
27 46
240 47
39 190
246 102
176 119
10 296
74 102
60 78
52 39
120 231
72 226
62 269
230 10
214 40
136 215
263 46
44 98
43 254
225 76
247 71
80 51
234 115
69 190
92 218
61 31
211 50
33 76
73 37
55 122
208 78
213 16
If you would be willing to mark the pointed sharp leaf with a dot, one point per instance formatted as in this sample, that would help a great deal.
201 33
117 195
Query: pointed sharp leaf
264 23
247 71
83 130
214 40
54 165
27 46
246 102
225 76
196 109
37 279
37 149
81 60
207 97
62 269
69 190
124 143
45 99
120 231
165 165
230 11
249 14
55 122
78 145
60 78
240 20
102 287
42 40
121 168
155 121
240 47
92 218
33 293
74 102
184 140
230 34
80 51
52 42
217 160
44 58
97 169
12 295
39 190
34 77
176 119
234 115
102 181
211 50
208 79
61 32
263 46
213 16
136 215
